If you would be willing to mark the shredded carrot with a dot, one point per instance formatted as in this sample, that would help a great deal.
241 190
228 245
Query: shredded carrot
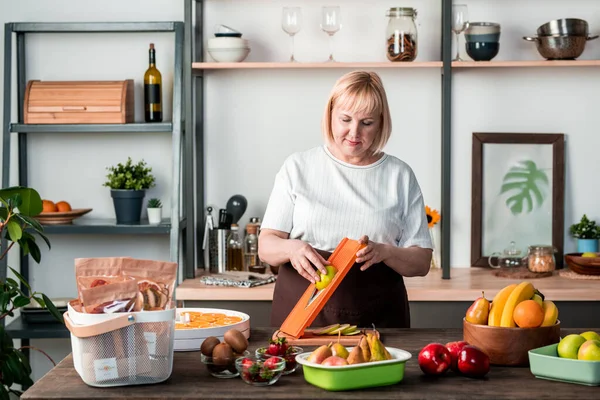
206 320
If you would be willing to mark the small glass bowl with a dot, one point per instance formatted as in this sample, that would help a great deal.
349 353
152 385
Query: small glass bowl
290 357
258 372
225 368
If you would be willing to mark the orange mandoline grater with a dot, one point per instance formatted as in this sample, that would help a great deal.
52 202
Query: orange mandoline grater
313 300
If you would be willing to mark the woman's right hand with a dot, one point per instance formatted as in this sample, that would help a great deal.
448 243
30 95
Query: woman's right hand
301 256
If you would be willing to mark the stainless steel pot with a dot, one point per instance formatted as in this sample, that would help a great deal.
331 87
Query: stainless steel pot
559 47
565 26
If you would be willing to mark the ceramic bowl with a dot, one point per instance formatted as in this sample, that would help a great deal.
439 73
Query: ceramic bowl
545 363
509 346
227 43
482 28
482 51
229 55
484 37
258 372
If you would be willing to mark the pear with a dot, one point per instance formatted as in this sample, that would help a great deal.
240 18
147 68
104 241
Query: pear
364 348
349 330
326 330
376 347
340 329
338 349
478 311
320 354
356 355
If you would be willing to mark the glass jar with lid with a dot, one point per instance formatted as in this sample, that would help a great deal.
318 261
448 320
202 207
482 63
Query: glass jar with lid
540 258
401 34
511 257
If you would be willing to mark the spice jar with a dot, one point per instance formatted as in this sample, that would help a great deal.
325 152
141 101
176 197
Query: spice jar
541 258
401 34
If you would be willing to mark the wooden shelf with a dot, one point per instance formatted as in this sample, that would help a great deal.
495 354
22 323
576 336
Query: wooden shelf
526 64
313 65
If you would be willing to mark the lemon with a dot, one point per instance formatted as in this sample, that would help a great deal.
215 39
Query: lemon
589 254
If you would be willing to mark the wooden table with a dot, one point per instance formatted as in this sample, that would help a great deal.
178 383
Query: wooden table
466 284
191 380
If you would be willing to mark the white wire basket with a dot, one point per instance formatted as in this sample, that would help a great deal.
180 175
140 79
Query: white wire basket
123 348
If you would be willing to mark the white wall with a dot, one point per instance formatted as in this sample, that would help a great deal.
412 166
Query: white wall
254 119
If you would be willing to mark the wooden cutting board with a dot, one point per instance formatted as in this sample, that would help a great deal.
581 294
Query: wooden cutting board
310 339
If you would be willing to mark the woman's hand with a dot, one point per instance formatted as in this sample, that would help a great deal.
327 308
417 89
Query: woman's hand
371 254
301 256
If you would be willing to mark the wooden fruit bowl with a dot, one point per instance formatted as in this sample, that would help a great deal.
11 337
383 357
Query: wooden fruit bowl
509 346
583 265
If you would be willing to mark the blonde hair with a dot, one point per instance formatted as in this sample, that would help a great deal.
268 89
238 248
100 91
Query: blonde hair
360 91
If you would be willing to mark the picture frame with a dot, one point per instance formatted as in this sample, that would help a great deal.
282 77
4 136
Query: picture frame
517 193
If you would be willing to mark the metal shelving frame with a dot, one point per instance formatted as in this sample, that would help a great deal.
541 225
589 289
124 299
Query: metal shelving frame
194 22
182 209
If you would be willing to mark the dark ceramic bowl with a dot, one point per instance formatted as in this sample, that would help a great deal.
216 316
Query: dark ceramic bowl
487 38
482 51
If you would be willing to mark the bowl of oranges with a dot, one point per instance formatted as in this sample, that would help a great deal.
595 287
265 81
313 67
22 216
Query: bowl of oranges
59 213
518 319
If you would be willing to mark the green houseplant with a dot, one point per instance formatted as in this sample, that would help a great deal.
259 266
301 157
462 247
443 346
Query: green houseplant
18 205
587 234
154 207
128 183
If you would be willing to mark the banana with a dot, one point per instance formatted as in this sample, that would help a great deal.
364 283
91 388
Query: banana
498 305
550 313
523 291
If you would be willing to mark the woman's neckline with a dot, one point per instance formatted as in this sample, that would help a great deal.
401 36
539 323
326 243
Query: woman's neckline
346 164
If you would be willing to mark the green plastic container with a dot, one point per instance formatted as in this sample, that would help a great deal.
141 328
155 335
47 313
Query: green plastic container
357 376
545 363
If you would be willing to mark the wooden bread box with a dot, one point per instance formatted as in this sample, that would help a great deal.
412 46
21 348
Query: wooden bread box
79 102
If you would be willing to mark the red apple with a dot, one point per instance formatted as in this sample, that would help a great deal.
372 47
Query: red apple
454 348
434 359
473 362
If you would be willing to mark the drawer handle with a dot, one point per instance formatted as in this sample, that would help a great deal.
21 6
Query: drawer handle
74 108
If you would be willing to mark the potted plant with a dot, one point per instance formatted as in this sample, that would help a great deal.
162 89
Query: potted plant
128 183
587 234
154 211
18 205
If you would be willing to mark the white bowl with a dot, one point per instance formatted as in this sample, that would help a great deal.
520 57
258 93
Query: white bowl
191 339
226 43
229 55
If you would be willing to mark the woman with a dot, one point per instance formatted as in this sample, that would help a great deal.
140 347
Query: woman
348 188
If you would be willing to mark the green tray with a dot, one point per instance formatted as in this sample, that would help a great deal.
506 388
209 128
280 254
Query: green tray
545 363
357 376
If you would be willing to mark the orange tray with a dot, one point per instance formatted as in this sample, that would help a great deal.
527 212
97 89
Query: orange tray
305 311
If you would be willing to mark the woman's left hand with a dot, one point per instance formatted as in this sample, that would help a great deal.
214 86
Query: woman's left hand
371 254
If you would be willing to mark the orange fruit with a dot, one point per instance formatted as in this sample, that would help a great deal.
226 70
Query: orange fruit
48 206
63 206
528 314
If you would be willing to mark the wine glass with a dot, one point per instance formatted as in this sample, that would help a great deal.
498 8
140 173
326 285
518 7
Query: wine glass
291 22
460 20
331 19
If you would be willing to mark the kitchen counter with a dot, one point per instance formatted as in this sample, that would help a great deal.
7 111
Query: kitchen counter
190 379
465 284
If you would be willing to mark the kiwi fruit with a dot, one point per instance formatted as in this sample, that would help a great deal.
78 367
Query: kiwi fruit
208 345
236 340
222 354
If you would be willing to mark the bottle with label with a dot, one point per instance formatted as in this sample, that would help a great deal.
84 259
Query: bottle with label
235 252
251 247
153 90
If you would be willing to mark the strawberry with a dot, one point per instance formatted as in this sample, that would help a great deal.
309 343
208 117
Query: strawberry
270 363
247 364
277 347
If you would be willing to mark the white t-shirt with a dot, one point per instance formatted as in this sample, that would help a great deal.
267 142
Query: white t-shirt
320 200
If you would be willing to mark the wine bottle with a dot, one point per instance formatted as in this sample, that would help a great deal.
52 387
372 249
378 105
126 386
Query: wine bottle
153 89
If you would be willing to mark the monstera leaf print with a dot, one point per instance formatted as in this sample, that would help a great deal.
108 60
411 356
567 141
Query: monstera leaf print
525 183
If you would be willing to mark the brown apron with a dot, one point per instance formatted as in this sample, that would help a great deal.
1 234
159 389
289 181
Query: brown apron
375 296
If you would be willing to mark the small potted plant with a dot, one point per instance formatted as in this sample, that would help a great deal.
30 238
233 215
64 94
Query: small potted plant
128 183
587 234
154 211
